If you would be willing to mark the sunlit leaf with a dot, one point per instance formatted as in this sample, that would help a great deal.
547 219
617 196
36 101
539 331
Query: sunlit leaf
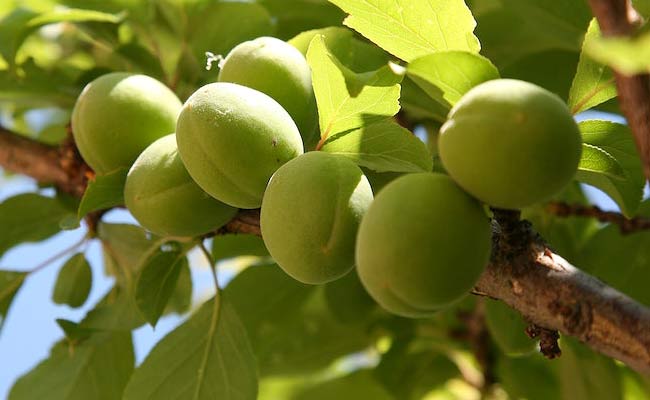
410 29
207 357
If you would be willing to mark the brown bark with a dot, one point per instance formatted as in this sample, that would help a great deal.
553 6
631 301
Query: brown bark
618 18
625 225
523 272
553 294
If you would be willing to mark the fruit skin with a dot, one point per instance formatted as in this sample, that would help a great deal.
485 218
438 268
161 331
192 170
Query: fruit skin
232 139
510 143
508 329
119 114
310 216
279 70
422 245
162 196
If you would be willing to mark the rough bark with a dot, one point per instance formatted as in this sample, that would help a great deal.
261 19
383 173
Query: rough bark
553 294
523 272
618 18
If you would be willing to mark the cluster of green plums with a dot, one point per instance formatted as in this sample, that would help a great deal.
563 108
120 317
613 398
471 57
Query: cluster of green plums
419 244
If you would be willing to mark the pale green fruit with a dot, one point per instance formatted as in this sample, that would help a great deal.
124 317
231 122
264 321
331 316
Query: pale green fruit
310 216
508 329
278 69
119 114
232 139
422 245
165 200
510 143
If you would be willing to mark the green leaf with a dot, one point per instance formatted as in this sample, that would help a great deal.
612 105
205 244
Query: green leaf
73 330
235 245
597 161
18 25
585 375
620 260
117 311
616 140
10 283
230 24
302 15
347 101
452 74
383 146
551 69
126 247
626 55
157 282
181 298
29 217
532 26
289 324
593 83
97 368
410 29
348 300
357 385
419 105
104 191
411 374
355 54
265 294
36 87
73 282
533 377
207 357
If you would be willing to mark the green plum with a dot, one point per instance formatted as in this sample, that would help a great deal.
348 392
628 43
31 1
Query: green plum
510 143
278 69
422 245
119 114
232 139
165 200
310 216
508 329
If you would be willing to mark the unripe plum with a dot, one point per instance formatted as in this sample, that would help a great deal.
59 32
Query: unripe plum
162 196
510 143
232 139
422 245
310 216
119 114
278 69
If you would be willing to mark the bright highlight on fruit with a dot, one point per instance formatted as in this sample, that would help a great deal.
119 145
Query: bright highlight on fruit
119 114
232 139
310 216
164 199
422 245
510 143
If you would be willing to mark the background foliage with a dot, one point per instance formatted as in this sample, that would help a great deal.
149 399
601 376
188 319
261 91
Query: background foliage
265 334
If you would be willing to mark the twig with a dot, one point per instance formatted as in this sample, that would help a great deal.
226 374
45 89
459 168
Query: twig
60 254
626 225
618 18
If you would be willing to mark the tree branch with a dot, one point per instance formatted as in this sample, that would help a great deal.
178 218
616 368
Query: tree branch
625 225
618 18
523 272
553 294
60 166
